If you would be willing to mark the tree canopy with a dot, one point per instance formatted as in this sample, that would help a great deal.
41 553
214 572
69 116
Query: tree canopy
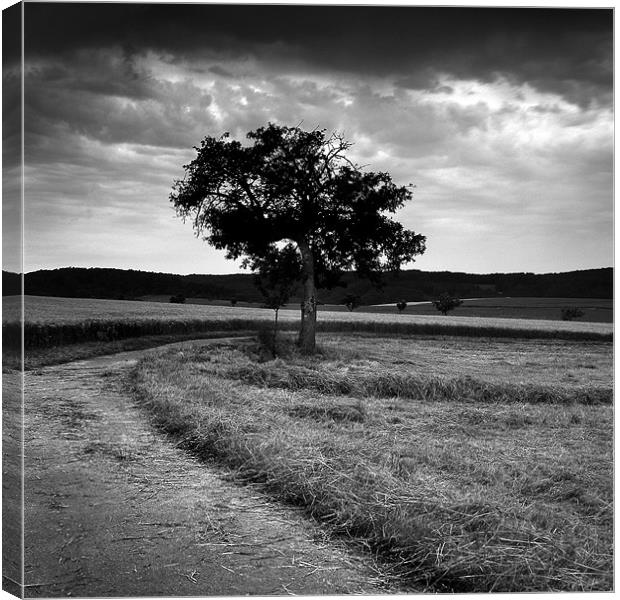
287 185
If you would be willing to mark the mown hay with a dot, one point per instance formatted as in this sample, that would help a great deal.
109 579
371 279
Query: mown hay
417 387
456 497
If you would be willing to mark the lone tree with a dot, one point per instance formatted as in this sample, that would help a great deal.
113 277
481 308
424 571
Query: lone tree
446 303
277 274
297 187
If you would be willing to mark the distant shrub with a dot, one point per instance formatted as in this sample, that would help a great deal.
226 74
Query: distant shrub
179 299
445 303
351 301
401 305
569 314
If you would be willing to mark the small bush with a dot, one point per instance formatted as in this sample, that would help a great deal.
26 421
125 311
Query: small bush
268 347
351 301
570 314
446 303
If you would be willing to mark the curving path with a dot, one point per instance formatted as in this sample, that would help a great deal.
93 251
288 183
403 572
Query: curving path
114 509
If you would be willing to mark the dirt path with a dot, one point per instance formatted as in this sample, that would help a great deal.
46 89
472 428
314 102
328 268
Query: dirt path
114 509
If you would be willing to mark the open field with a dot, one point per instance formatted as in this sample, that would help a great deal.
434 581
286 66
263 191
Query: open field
469 453
57 321
595 310
467 464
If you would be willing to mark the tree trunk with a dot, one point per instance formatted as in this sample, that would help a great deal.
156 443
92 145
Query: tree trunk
275 333
307 333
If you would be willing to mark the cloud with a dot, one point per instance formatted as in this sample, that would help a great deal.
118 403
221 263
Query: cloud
94 97
511 153
565 51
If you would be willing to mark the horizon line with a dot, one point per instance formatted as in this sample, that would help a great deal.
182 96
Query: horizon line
247 272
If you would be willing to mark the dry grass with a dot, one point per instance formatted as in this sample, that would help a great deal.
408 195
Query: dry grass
492 496
502 360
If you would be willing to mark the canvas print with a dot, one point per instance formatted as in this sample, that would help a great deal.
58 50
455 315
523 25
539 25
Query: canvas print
306 299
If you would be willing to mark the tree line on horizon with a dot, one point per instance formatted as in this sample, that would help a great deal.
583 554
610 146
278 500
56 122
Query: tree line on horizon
412 285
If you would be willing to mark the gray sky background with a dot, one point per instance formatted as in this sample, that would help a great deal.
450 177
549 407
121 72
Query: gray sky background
503 119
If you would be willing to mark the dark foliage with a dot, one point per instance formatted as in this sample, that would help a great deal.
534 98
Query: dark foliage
11 284
570 314
299 187
401 305
413 285
445 303
352 301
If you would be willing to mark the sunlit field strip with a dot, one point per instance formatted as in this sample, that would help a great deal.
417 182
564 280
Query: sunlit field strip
46 310
59 321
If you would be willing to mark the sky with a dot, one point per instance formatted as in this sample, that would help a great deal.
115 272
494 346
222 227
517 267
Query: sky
501 118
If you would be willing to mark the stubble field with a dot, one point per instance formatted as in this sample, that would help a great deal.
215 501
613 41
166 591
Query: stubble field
466 464
469 454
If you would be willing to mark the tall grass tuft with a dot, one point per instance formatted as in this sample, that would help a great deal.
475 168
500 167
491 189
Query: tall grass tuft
460 329
414 386
45 335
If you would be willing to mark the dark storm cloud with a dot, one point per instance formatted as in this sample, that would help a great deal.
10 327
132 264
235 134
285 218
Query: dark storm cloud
11 119
217 70
103 95
567 51
95 72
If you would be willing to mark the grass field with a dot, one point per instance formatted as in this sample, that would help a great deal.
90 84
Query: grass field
466 464
57 321
595 310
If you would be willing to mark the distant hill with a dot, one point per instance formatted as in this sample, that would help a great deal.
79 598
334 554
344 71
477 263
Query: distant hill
412 285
